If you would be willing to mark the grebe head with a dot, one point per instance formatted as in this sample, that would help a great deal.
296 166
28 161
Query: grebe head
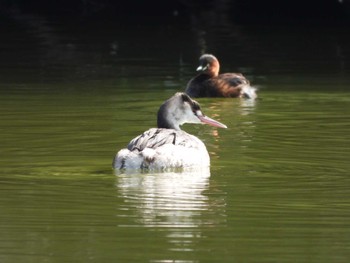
209 64
180 109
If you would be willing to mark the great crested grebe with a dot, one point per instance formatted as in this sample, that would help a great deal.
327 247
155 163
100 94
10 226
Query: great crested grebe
209 83
168 146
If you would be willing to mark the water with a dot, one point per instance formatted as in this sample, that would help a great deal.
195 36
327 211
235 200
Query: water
278 186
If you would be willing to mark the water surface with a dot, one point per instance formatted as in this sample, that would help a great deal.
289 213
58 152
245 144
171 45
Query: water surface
278 186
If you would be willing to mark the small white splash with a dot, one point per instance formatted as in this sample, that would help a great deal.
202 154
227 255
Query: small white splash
249 92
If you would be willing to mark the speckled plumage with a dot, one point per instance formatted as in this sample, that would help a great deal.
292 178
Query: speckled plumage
168 146
159 148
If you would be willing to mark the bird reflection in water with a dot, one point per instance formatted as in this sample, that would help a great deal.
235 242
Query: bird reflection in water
171 200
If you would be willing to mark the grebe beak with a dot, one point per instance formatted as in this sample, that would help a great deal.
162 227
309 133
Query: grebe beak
201 68
209 121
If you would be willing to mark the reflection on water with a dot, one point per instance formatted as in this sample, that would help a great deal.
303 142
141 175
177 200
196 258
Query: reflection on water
239 116
221 106
247 106
172 200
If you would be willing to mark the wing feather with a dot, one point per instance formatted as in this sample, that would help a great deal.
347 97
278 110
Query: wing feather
157 137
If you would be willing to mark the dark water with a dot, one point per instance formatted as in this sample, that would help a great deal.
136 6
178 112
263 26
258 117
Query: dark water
278 186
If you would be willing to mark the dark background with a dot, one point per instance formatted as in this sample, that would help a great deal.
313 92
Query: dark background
318 12
65 40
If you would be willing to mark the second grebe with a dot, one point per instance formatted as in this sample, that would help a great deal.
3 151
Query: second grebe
209 83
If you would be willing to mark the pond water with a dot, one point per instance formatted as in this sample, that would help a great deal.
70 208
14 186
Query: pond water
278 186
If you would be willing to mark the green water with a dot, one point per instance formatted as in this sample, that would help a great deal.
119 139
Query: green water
277 190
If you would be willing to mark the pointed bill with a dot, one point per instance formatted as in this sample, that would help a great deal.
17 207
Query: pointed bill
200 68
209 121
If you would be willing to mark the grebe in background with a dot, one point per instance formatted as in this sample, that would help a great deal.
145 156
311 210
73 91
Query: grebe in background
209 83
168 146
